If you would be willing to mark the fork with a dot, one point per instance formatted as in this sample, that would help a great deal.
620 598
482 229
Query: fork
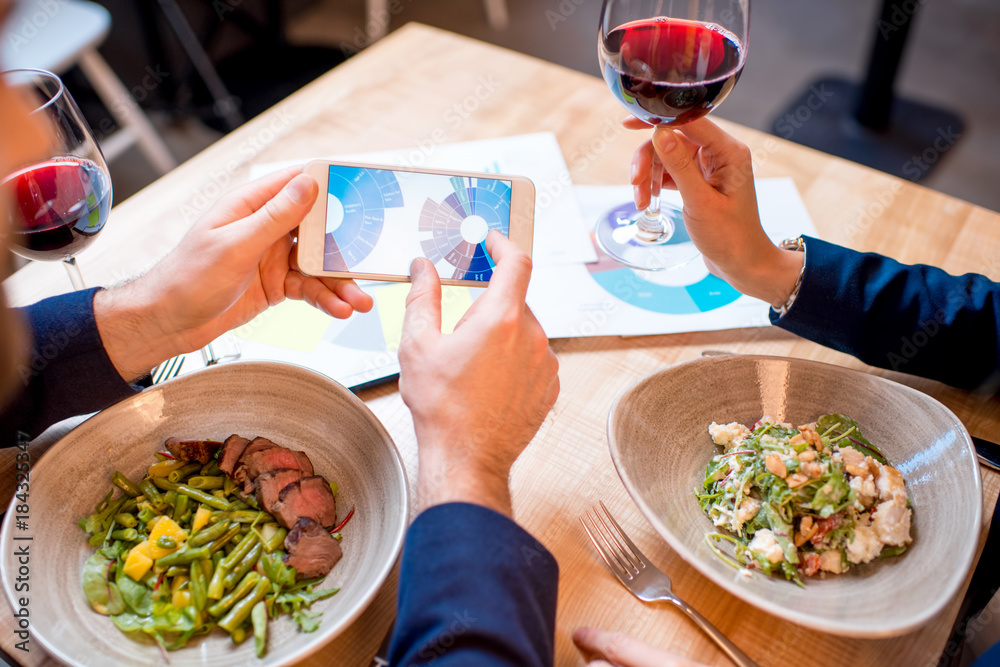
168 370
644 580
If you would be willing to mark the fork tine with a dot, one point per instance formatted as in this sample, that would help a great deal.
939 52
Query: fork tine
634 564
612 546
639 556
615 570
166 368
169 369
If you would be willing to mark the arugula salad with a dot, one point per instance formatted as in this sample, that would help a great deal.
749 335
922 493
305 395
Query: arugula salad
797 501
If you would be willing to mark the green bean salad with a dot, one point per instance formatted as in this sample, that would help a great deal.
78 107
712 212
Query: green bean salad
182 552
798 501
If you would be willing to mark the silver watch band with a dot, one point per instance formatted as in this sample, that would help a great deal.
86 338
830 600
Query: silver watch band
797 244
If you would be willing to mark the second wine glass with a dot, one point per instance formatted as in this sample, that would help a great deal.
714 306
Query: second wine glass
59 201
669 62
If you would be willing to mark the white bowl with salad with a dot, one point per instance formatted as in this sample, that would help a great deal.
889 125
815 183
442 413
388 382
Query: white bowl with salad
163 537
835 499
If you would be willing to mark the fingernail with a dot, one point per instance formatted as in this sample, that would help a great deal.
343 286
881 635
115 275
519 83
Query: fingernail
633 170
299 190
665 140
416 268
635 194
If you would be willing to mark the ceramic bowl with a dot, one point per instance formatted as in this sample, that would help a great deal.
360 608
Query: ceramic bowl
290 405
658 434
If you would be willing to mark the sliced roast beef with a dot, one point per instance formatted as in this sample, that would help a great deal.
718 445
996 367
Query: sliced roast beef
269 484
306 497
201 451
239 470
232 450
265 460
311 550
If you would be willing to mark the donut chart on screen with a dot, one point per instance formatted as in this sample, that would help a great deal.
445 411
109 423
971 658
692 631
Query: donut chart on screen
455 229
356 203
701 294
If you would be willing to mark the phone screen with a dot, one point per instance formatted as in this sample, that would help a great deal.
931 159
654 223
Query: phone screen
379 220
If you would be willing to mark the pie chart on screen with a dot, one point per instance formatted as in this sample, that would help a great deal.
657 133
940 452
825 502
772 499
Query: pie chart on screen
454 230
356 203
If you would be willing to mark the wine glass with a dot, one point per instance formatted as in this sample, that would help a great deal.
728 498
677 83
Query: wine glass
669 62
58 205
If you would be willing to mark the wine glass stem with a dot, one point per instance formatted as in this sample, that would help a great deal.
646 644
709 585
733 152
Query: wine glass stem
652 220
74 273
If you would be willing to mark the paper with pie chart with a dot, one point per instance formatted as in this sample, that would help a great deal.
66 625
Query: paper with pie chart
604 298
378 220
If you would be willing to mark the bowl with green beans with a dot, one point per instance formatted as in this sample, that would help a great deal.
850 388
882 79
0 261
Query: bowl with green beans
141 559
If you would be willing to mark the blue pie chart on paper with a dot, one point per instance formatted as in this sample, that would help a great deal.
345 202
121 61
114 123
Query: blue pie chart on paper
356 203
701 295
455 229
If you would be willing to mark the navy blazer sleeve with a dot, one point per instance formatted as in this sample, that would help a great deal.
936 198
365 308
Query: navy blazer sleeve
475 589
914 319
65 372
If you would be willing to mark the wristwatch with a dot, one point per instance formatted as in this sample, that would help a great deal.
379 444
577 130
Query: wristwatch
798 244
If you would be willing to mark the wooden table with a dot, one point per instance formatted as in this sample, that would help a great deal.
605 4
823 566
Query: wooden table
403 92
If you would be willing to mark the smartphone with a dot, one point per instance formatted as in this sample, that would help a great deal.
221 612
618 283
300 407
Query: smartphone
375 220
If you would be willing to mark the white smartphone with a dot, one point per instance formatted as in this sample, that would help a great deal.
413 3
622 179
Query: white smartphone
370 222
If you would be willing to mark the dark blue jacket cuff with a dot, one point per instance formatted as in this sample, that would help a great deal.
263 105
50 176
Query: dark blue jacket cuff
475 589
914 319
67 371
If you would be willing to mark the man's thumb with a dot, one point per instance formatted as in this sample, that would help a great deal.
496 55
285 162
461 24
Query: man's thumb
283 212
423 303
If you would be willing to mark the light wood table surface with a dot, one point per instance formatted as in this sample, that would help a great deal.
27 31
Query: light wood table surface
422 86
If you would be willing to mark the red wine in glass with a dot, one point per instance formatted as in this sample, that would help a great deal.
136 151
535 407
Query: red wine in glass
668 63
57 207
671 71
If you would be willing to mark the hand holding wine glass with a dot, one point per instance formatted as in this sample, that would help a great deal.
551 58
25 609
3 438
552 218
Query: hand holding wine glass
57 202
669 62
713 171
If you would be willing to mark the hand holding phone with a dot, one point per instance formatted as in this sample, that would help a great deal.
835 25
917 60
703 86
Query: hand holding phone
371 221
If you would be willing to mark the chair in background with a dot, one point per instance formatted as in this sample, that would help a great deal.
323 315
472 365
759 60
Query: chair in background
377 19
55 35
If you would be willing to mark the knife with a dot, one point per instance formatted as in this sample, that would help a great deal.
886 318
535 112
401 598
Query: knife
988 453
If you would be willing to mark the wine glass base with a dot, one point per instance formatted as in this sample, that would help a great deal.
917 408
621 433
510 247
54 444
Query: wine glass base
618 234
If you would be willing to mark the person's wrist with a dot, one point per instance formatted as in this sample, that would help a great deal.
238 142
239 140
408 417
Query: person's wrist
449 474
130 322
768 273
784 277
